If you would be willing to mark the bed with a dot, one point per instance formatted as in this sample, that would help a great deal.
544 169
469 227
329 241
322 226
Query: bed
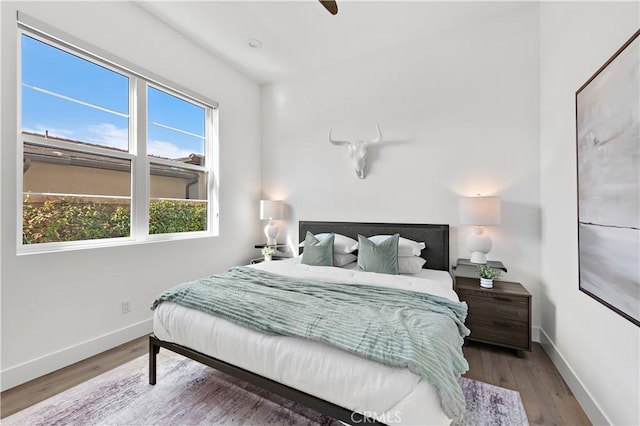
332 381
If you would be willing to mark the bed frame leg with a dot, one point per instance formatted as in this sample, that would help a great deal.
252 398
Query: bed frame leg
153 351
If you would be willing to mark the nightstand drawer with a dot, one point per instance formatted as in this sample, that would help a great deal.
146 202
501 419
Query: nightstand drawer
500 331
499 306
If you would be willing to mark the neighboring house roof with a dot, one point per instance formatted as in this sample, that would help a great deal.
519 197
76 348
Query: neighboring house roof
196 159
47 154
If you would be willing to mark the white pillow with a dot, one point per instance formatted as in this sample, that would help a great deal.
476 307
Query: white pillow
342 259
409 264
341 243
406 247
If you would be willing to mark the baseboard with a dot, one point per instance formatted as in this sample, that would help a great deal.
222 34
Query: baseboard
22 373
590 407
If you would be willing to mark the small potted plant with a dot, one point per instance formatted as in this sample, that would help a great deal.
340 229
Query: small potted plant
487 275
268 253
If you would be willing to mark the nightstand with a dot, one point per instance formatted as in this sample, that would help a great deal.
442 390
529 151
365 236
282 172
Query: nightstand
280 254
465 268
273 258
276 246
500 315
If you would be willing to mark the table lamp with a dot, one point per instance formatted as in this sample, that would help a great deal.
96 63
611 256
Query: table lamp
271 210
479 212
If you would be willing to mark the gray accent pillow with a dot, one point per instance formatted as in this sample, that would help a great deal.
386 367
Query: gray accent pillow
381 258
318 252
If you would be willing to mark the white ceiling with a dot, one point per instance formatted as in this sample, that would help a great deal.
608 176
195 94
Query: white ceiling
300 36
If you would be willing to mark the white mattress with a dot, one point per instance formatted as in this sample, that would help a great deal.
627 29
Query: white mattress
394 395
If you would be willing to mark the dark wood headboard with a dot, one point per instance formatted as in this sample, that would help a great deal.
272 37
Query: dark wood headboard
435 237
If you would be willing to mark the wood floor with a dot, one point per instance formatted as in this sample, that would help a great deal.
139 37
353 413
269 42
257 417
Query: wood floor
27 394
546 397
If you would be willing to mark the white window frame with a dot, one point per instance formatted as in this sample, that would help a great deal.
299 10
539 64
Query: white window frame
137 154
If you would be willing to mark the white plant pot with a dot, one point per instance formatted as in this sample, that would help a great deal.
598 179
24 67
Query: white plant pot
486 283
267 257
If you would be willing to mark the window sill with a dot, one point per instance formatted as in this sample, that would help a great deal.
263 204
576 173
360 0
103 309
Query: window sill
46 248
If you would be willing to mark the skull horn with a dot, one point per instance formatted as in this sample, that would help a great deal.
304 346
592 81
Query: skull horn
335 142
379 137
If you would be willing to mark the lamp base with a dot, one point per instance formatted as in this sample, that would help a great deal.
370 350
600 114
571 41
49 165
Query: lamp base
478 257
479 244
271 231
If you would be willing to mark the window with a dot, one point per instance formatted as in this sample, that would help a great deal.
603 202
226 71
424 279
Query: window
176 149
108 153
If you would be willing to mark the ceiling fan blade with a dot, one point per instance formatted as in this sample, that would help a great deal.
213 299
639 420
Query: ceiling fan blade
330 5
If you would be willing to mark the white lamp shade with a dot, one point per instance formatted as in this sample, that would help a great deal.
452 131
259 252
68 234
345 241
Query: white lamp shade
271 210
480 211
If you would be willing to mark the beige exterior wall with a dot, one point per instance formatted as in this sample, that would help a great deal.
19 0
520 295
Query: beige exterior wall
48 177
59 178
171 187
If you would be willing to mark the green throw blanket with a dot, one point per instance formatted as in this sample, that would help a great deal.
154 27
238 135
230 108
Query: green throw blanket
398 328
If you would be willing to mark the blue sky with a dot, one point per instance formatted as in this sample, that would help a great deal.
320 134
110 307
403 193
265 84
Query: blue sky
76 99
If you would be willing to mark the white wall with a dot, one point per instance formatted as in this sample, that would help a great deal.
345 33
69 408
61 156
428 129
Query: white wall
59 308
597 350
459 111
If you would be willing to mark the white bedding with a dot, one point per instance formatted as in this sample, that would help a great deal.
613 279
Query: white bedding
394 395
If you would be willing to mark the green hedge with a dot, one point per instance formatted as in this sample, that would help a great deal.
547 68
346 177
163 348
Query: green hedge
63 220
176 216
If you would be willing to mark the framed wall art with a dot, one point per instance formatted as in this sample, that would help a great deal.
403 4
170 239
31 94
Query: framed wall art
608 163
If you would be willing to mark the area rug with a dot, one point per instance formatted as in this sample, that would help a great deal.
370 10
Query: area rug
189 393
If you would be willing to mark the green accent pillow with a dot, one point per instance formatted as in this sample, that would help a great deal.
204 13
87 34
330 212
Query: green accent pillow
381 258
318 252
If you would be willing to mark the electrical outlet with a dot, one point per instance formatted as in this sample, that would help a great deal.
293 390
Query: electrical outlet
126 306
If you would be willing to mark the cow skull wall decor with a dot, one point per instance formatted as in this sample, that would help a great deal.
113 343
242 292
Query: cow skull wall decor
358 151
